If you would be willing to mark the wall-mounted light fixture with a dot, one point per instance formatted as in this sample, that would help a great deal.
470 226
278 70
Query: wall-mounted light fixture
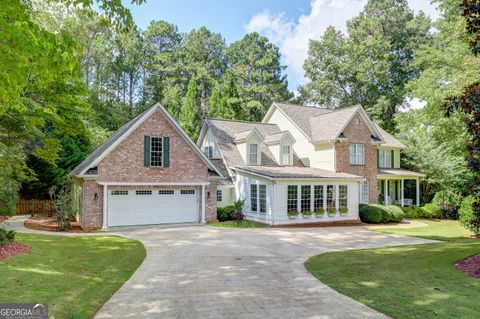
95 197
208 194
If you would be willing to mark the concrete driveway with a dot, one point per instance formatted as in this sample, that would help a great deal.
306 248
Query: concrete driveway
211 272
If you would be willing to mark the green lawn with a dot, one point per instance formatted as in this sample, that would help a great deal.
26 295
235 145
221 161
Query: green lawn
415 281
75 276
446 230
239 224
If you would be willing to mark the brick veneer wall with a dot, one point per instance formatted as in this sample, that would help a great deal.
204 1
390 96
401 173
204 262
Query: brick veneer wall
92 216
359 134
125 164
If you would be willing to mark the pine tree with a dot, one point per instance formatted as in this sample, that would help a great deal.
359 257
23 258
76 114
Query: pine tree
191 113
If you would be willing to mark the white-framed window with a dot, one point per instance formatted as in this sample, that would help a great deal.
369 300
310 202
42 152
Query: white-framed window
120 192
292 198
208 151
187 192
357 154
219 195
305 198
253 154
253 197
342 196
262 198
331 196
385 158
363 190
156 151
166 192
143 192
317 197
286 155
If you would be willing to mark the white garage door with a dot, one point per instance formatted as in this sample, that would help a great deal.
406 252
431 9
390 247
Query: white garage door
152 206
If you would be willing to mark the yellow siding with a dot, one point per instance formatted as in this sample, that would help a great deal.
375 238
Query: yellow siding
319 156
227 196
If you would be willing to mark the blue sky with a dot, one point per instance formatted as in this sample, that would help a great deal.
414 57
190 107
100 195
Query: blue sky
288 24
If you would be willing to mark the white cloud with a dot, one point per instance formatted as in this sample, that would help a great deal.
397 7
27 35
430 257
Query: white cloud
292 36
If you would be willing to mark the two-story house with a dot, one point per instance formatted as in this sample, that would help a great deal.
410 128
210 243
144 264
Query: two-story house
301 159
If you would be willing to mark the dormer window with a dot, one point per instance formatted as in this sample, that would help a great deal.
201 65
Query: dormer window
253 154
286 155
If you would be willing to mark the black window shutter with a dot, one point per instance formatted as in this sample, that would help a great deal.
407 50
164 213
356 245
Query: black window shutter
146 151
378 157
166 151
393 158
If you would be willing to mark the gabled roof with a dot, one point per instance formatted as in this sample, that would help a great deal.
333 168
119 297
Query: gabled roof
224 131
322 125
103 150
278 137
242 136
390 141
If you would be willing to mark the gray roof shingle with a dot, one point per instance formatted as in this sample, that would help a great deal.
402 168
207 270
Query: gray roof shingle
295 172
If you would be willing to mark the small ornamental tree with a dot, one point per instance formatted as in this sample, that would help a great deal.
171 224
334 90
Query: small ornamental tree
63 205
469 103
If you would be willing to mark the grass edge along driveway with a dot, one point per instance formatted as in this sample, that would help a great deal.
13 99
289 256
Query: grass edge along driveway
413 281
75 276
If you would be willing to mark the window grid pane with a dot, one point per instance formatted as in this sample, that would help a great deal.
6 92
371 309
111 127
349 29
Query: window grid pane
286 150
292 198
253 153
253 198
357 154
156 148
330 196
364 192
143 192
305 202
120 192
219 195
263 198
166 192
343 196
187 192
317 197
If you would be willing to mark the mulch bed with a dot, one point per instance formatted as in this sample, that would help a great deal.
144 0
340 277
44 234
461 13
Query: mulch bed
470 266
12 250
49 224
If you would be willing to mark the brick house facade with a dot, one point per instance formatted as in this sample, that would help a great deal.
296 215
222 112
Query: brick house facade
358 132
121 167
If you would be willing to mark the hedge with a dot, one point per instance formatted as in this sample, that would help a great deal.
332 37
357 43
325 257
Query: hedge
374 213
434 209
414 212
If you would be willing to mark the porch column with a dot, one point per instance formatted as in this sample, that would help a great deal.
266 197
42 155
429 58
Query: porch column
402 194
418 191
385 193
105 194
203 204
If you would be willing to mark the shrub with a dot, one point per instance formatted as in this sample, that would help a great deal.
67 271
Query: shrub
6 236
231 212
320 211
370 214
396 213
225 213
434 209
415 212
449 203
293 213
63 205
343 210
308 213
467 216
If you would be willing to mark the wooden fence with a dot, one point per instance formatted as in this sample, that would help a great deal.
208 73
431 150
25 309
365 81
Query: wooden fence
35 207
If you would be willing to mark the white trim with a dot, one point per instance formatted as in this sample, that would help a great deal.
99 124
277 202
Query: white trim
417 186
297 178
154 183
159 107
402 191
203 204
105 208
